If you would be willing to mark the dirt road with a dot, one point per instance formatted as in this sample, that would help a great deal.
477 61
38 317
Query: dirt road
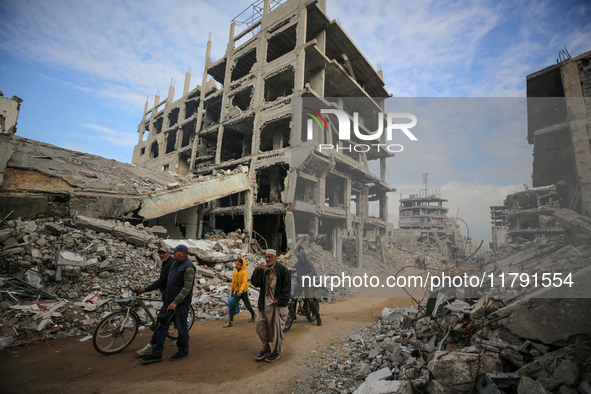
221 360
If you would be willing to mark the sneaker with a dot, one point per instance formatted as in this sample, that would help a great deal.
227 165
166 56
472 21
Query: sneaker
228 324
261 355
271 358
146 351
151 359
318 320
179 356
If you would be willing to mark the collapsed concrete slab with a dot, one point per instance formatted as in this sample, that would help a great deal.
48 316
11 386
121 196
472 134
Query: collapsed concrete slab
194 194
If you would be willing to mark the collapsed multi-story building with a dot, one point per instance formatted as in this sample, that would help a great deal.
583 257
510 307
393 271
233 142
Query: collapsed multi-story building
526 215
248 112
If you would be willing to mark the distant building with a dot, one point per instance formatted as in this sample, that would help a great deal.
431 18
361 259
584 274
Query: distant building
423 220
500 227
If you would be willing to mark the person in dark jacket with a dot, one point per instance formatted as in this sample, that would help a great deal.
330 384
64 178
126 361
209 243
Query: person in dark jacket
305 268
166 257
273 280
177 297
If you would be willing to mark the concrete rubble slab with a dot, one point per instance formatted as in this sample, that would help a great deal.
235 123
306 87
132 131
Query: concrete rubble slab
193 194
384 387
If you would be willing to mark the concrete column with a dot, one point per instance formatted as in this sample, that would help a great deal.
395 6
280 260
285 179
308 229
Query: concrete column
200 220
275 194
188 82
363 212
142 127
578 132
317 81
300 62
248 214
201 104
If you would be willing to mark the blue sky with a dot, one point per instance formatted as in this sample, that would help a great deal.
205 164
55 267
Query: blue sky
84 69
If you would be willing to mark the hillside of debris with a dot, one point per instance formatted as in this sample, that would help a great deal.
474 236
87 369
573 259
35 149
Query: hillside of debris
473 340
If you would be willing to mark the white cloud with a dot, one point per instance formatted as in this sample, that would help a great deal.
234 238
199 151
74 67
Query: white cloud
119 138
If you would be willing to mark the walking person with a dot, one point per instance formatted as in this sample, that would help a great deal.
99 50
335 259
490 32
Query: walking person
177 297
275 286
239 291
166 257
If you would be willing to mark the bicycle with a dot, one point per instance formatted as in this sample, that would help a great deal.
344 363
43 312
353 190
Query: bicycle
298 306
118 329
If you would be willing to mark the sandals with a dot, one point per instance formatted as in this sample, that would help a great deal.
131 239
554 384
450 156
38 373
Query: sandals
228 324
252 320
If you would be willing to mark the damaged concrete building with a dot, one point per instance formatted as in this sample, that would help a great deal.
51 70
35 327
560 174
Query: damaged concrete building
525 215
243 114
41 180
9 109
498 219
559 123
423 220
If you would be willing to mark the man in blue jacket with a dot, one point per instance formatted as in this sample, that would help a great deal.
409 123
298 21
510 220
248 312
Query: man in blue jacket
273 280
177 297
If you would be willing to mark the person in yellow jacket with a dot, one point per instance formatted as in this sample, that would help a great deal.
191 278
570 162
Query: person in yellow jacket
240 291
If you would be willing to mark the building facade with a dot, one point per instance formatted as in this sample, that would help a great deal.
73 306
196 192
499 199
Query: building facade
245 113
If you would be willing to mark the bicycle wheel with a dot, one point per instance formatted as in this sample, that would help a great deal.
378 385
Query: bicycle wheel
309 314
173 333
290 315
115 332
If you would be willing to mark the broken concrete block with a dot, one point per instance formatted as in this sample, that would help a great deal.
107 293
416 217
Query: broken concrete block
380 374
456 371
132 235
384 386
34 278
55 229
373 353
98 225
6 233
70 258
101 251
36 254
434 387
10 242
550 321
204 272
529 386
567 372
394 315
30 227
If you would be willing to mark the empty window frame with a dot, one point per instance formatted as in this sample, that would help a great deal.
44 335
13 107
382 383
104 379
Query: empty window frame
275 135
243 65
281 43
279 85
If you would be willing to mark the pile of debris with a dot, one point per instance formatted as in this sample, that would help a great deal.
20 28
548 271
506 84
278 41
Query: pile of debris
60 276
456 342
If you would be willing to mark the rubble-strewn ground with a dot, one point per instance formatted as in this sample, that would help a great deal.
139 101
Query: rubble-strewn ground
60 276
221 360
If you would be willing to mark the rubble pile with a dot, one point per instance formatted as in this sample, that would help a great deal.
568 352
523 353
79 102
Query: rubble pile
60 276
455 342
